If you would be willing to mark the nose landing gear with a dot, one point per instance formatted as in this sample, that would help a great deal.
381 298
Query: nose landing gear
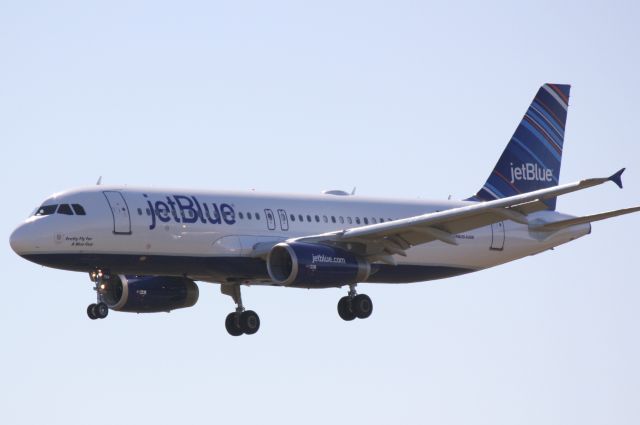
354 305
98 310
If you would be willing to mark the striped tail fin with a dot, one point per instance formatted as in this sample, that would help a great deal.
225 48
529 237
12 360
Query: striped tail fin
532 159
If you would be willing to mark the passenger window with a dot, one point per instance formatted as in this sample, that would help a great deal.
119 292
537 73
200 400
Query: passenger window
317 219
381 220
325 219
341 219
366 220
257 216
300 218
249 216
292 217
308 218
241 216
65 209
79 209
47 209
333 218
349 220
373 220
139 211
357 220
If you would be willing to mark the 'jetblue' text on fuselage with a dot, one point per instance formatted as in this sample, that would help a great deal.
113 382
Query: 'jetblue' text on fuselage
188 209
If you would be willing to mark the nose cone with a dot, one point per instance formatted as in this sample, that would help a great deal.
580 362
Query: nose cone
20 240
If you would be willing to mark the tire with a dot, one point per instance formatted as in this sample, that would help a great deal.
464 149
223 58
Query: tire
91 311
230 324
249 322
345 310
362 306
101 310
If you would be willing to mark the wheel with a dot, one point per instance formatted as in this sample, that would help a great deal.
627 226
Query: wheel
101 310
231 325
249 322
91 311
345 310
362 306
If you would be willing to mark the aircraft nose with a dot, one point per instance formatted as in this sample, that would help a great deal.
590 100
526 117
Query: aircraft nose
20 240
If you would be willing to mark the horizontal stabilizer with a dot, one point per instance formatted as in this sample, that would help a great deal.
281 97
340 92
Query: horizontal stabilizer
557 225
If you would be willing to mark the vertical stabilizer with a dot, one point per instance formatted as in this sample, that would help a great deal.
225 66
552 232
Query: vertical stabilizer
532 159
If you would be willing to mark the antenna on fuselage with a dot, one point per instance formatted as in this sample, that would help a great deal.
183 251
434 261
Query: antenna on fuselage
99 182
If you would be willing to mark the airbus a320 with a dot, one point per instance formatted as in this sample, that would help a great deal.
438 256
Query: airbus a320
145 248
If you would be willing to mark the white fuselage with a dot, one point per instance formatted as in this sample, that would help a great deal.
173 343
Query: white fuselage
215 235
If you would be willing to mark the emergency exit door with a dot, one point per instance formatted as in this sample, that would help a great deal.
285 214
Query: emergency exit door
284 222
271 220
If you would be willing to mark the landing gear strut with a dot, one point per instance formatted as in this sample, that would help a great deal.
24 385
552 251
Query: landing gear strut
354 305
240 321
98 310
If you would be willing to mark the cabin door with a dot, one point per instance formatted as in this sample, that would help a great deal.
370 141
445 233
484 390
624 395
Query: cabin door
497 236
120 213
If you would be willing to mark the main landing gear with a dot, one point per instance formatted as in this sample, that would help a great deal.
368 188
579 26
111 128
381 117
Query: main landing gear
241 321
98 310
354 305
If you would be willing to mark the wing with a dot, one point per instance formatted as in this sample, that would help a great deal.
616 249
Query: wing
383 240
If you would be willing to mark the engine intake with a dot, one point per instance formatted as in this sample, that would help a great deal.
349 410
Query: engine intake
315 265
148 294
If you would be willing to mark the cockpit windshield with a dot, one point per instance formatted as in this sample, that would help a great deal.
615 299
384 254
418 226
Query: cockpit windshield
46 209
79 209
65 209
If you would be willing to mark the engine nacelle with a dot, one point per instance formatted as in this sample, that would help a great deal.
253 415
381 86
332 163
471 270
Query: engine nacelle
315 265
148 294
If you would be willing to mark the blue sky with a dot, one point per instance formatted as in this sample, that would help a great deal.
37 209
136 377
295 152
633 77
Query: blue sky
400 99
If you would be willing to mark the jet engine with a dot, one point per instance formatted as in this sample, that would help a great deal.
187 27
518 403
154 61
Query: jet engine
148 294
315 265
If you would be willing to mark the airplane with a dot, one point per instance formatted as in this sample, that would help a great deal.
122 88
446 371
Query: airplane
145 248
